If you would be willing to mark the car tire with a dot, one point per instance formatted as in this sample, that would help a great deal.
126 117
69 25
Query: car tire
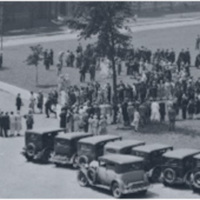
169 176
116 191
156 174
82 161
30 151
82 179
92 175
196 180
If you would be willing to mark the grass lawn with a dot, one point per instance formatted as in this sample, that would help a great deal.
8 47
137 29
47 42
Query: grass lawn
16 72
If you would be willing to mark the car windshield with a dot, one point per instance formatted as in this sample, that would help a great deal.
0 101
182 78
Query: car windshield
124 168
140 154
173 161
61 142
110 151
86 148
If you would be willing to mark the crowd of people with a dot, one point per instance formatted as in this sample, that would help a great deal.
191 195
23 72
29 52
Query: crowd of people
161 86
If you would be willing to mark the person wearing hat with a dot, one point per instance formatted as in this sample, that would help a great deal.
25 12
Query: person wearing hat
29 120
40 101
171 117
103 125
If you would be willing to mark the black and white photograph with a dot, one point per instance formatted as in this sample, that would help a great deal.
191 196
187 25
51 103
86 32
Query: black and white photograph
100 99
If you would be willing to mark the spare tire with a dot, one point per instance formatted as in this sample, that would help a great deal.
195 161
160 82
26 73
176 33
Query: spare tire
83 161
169 175
91 173
30 151
196 180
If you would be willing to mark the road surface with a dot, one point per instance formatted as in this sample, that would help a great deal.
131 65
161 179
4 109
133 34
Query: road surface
21 179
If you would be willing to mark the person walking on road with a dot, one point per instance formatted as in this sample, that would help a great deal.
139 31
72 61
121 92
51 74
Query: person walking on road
5 124
40 102
48 108
32 102
29 120
19 103
18 124
12 124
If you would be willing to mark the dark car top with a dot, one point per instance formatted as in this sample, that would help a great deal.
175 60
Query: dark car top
123 144
41 131
74 135
181 153
120 159
98 139
152 147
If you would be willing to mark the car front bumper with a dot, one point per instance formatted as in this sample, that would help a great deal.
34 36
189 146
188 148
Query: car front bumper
135 187
64 160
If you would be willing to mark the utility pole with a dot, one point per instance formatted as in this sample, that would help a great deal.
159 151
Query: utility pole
1 29
1 25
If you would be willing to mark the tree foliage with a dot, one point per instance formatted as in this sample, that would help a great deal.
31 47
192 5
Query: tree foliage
34 58
36 55
104 20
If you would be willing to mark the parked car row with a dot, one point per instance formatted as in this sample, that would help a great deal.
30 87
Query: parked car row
107 161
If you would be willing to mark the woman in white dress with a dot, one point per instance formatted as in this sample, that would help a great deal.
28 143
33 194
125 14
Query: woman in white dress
155 113
18 120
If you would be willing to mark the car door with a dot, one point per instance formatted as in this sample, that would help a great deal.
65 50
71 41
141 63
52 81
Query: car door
101 173
110 173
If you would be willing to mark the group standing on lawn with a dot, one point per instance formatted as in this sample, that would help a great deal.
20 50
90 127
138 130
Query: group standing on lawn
162 86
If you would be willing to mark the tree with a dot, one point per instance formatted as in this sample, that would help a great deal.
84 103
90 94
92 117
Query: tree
106 21
34 59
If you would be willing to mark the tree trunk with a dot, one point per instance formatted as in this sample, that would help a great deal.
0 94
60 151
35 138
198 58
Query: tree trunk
115 100
36 75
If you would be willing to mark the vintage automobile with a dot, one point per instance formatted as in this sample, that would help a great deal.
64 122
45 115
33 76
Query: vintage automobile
195 176
178 166
122 147
65 148
39 143
91 148
122 174
152 154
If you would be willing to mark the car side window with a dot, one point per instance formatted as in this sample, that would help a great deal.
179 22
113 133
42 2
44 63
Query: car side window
110 166
102 163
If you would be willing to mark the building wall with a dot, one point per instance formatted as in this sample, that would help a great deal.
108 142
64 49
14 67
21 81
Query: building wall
25 14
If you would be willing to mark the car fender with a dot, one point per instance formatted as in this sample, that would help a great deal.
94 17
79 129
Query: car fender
72 158
117 181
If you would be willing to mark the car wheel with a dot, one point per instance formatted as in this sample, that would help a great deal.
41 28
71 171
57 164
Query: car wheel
82 179
196 181
169 176
30 152
75 162
187 179
116 191
82 161
156 174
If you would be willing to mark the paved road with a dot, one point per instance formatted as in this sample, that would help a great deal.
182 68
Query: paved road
68 35
20 179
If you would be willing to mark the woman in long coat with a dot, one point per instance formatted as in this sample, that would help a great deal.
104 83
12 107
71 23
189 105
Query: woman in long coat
12 124
18 120
102 125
